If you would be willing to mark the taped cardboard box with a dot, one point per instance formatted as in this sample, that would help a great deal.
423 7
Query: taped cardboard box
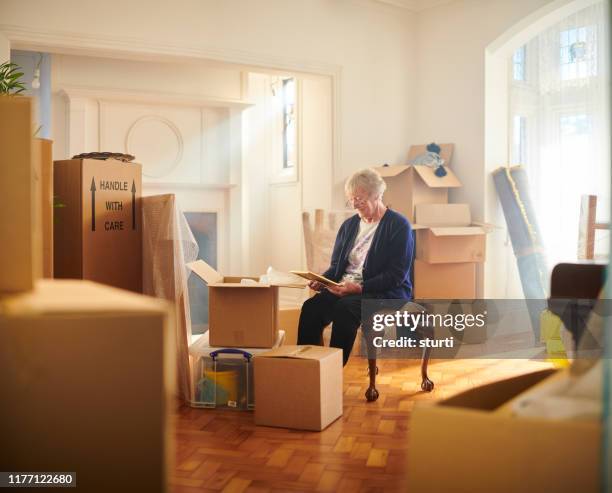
446 233
240 315
444 281
87 374
298 387
481 447
97 233
410 185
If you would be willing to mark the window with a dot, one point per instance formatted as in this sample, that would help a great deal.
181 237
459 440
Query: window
575 139
558 124
578 53
289 125
518 63
519 140
574 125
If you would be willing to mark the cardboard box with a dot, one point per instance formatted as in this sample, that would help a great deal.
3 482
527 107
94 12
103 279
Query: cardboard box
444 281
298 387
20 262
410 185
87 374
288 320
480 447
240 315
46 179
446 233
97 234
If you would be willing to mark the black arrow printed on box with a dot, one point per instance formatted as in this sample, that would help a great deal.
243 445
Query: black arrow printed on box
93 203
133 205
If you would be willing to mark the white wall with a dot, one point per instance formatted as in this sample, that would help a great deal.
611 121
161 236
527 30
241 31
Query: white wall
108 74
5 49
451 41
371 44
274 199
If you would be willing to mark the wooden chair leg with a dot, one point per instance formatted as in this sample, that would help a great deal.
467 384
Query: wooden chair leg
372 394
426 384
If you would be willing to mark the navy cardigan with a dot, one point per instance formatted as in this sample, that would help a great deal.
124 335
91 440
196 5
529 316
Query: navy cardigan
387 267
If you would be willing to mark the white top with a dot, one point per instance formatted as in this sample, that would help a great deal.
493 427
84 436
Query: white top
356 259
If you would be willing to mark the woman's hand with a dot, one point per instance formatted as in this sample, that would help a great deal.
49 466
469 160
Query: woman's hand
345 288
316 286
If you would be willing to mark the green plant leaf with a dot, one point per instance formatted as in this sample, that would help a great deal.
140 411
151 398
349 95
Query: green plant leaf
10 79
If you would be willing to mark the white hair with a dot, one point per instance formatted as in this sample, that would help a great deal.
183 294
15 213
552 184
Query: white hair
368 180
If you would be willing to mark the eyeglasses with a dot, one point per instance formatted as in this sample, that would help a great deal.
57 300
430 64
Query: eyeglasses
355 201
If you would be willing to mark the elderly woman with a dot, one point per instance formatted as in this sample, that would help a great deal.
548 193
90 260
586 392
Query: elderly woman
372 258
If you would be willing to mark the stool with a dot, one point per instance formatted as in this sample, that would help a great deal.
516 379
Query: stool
427 384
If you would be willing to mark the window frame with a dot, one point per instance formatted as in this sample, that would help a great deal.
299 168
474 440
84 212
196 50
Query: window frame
279 173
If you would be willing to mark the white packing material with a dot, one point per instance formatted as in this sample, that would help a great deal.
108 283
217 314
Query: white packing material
167 246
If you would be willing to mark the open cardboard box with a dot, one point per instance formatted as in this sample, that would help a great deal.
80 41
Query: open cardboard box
298 387
408 185
446 233
240 315
472 443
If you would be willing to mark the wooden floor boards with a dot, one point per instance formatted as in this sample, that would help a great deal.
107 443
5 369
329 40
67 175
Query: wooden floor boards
364 451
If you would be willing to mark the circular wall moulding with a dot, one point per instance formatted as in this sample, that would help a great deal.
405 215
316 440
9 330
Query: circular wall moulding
157 144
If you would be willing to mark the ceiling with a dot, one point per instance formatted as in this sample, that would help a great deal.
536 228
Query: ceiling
414 5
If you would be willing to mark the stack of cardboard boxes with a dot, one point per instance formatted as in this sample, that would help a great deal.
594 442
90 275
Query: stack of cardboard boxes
448 248
243 313
448 244
83 367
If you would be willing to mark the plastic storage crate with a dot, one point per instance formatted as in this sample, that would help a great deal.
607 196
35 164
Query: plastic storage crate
223 377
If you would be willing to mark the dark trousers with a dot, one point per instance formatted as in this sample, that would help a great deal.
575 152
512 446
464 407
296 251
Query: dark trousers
344 313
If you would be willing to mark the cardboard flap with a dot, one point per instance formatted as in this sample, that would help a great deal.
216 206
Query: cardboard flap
289 285
436 215
238 285
491 396
234 284
205 272
427 174
419 226
488 227
300 352
446 152
390 171
466 231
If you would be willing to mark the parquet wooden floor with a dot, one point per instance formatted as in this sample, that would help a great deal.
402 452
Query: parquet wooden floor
364 451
